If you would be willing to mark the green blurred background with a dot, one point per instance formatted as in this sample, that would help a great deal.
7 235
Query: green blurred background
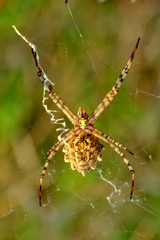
75 207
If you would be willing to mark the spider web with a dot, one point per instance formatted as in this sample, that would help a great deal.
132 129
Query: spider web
117 196
97 206
51 113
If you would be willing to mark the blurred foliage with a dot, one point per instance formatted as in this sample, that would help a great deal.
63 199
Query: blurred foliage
77 207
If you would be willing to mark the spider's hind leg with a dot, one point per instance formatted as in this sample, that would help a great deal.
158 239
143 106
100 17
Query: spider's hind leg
107 139
50 154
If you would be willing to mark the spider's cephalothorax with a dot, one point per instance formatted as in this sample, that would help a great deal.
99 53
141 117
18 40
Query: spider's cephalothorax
82 147
82 117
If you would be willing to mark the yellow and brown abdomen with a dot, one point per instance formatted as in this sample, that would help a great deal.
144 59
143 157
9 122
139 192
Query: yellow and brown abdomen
83 152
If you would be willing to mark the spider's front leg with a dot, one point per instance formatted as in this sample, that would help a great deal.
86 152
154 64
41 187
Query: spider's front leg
107 139
50 154
47 83
114 91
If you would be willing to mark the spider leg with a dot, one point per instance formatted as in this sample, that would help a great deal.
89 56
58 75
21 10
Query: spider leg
119 145
111 140
105 138
113 92
50 154
47 83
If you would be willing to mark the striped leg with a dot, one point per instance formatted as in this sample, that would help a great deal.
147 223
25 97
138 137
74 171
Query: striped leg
111 140
49 156
119 145
104 138
113 92
47 83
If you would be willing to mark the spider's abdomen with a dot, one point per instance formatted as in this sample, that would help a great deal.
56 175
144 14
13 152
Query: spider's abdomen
82 152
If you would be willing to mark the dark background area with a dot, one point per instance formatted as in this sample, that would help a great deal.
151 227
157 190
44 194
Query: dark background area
76 207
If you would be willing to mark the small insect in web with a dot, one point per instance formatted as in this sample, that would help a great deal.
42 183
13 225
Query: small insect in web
82 146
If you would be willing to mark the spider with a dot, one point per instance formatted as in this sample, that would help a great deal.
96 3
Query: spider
82 146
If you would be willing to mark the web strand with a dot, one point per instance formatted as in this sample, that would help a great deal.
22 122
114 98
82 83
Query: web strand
85 43
47 86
